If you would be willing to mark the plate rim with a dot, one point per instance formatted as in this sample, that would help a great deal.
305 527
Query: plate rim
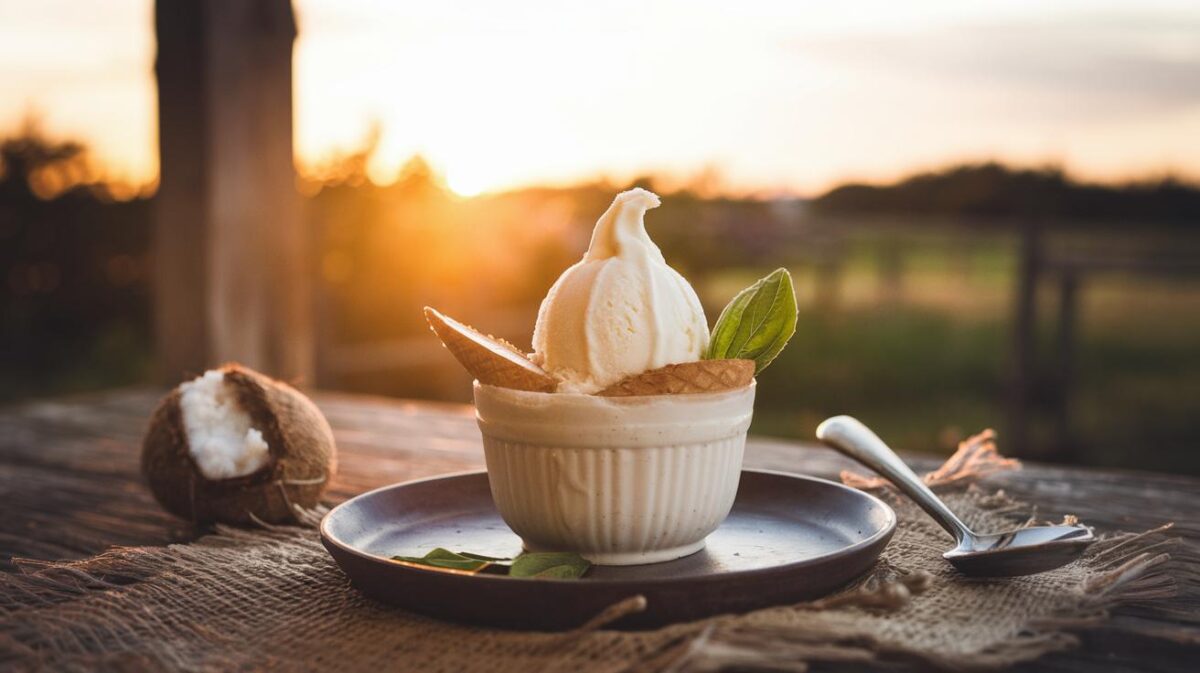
883 533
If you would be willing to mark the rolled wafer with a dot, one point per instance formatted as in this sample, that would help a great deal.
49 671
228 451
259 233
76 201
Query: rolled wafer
490 360
701 376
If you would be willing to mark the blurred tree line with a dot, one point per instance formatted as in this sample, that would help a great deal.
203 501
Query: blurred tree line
996 191
75 255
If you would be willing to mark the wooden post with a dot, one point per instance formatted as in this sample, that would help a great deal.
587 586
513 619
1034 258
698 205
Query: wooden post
180 234
230 243
1023 369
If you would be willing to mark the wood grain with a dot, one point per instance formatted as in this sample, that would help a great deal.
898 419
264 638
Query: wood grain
69 488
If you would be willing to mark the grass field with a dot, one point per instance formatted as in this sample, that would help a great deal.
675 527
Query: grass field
927 364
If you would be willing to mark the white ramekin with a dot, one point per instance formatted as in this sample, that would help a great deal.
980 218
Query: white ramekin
619 480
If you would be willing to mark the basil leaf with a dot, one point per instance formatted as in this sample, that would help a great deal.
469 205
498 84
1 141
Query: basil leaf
550 565
758 323
468 565
564 572
481 557
444 558
443 553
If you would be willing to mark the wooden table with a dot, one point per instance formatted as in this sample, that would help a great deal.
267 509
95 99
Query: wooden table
69 488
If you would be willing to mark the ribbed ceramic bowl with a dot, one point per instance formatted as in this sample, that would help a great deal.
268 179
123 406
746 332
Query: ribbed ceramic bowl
619 480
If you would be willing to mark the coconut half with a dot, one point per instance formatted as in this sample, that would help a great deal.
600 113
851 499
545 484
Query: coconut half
236 446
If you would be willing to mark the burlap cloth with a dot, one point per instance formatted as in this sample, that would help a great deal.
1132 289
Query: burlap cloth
273 599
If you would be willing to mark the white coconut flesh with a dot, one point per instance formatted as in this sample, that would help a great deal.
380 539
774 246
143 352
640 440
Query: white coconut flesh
220 435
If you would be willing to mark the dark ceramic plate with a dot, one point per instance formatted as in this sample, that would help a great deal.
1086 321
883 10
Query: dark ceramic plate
789 538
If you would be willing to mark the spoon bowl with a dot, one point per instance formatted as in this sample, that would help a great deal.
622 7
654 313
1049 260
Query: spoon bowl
1024 551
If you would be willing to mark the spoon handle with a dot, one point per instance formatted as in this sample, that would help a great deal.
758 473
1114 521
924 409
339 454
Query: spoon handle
851 437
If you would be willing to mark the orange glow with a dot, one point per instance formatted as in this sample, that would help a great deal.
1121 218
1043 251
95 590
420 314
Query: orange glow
466 182
778 96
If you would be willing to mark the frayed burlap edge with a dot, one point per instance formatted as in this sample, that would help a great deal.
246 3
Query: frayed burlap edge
1124 569
976 458
1121 569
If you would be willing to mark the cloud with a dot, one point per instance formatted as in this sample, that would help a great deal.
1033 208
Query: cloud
1114 65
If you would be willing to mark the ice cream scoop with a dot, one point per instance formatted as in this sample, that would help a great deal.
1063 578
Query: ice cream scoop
621 310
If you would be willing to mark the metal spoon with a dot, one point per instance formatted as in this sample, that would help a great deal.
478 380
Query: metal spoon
1018 552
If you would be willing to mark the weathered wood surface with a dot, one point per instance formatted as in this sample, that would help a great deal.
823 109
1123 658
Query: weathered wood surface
69 487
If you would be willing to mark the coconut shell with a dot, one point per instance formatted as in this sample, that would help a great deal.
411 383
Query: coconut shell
302 457
702 376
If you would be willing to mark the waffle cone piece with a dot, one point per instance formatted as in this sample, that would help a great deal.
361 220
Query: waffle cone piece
701 376
490 360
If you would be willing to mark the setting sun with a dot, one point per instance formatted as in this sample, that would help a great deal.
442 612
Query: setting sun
798 98
468 180
466 183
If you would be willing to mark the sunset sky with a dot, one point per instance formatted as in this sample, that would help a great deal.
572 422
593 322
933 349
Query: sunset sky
777 96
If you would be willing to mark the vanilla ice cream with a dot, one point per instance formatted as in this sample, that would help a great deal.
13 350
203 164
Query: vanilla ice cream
620 310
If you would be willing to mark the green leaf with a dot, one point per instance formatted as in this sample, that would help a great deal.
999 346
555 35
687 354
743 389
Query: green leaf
550 565
444 558
444 554
481 557
563 572
758 323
